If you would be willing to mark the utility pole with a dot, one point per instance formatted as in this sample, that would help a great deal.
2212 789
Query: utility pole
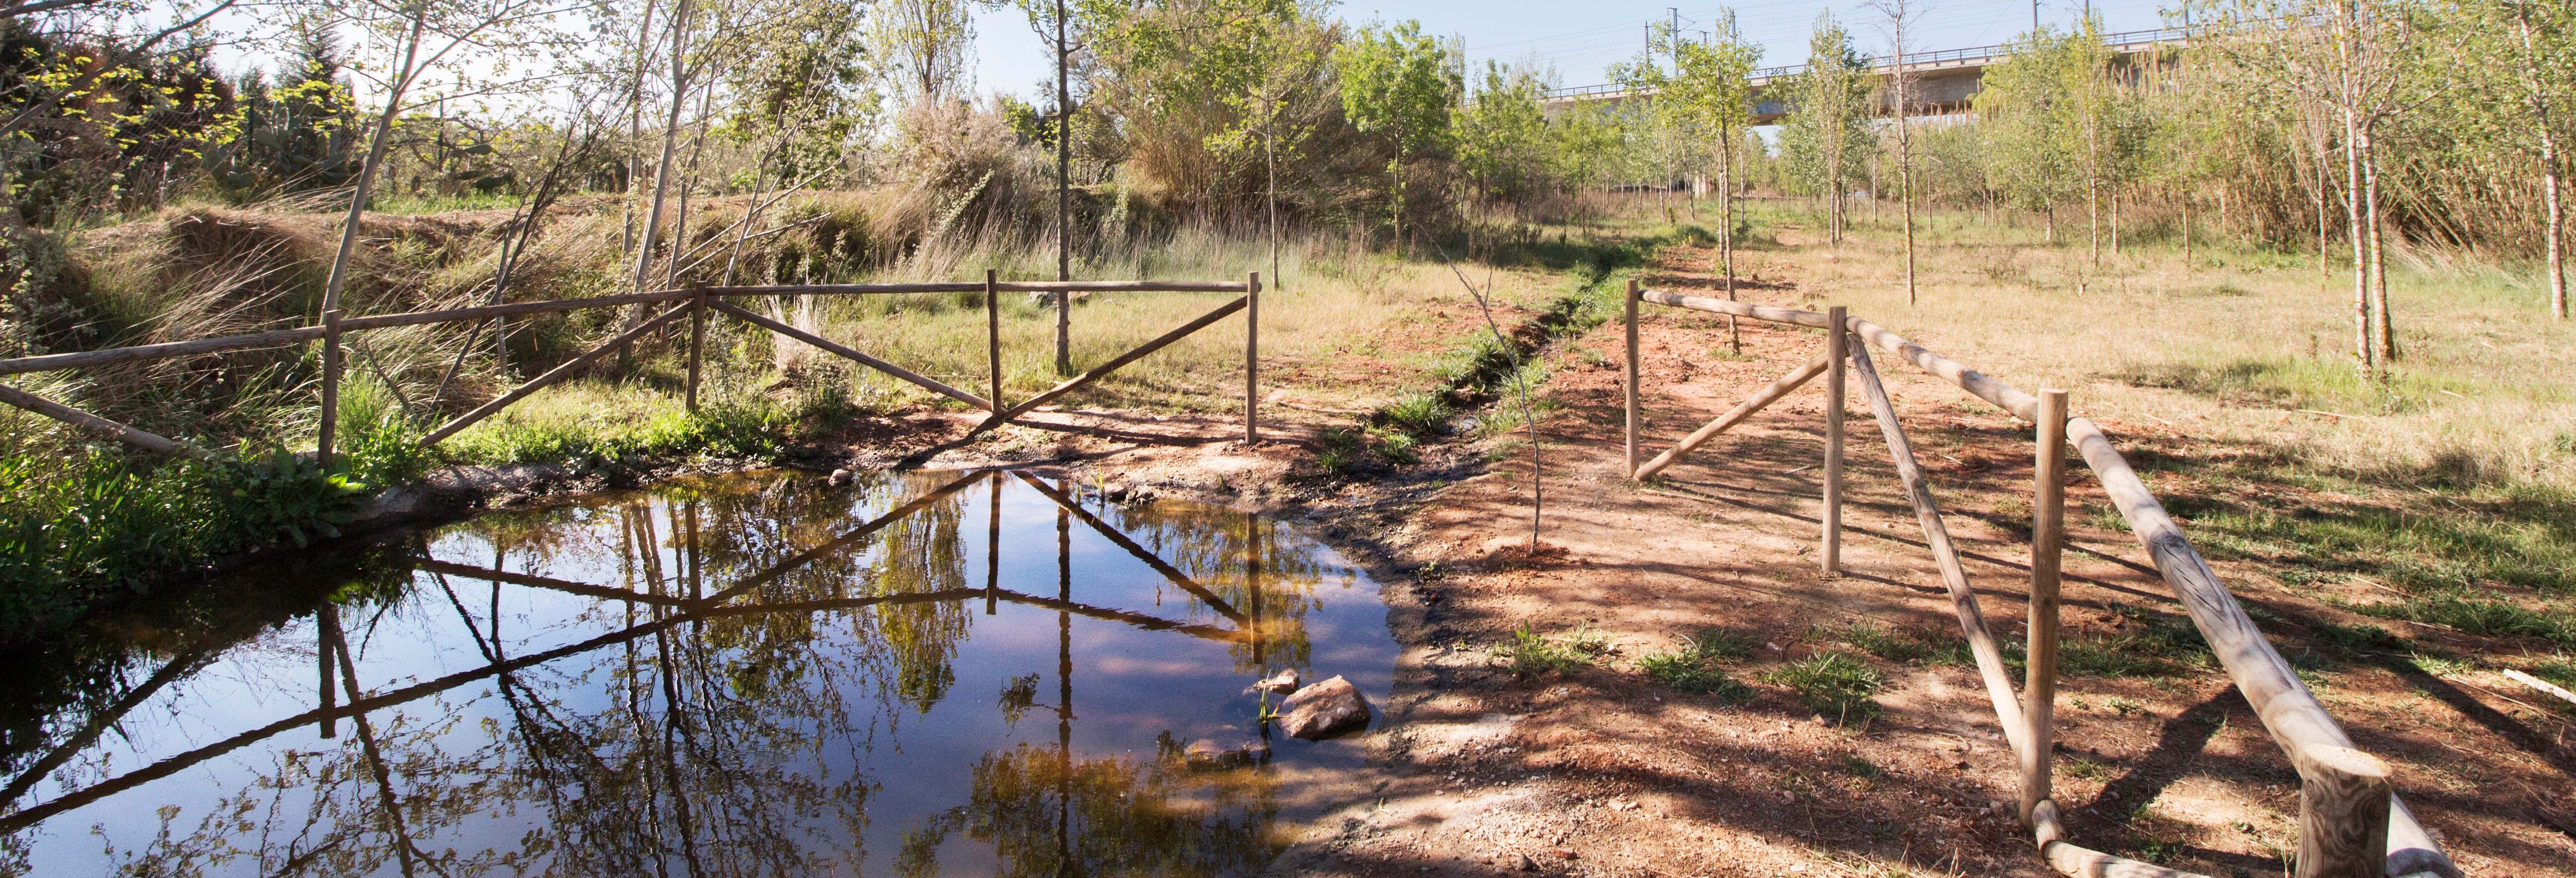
2034 18
1675 35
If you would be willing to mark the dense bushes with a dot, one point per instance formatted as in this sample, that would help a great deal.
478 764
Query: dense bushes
75 529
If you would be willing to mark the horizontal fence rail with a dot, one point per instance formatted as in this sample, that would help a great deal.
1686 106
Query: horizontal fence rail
2351 824
693 303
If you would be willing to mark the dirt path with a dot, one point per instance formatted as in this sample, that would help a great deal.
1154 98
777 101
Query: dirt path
1598 770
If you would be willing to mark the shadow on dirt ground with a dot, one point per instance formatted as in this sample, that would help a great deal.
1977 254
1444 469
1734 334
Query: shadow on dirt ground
1539 727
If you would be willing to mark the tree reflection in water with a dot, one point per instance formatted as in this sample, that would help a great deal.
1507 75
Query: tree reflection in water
747 675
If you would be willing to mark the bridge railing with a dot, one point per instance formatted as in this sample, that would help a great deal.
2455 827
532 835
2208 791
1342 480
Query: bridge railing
695 305
2351 823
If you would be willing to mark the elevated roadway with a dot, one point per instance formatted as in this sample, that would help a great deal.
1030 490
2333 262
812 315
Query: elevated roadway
1945 81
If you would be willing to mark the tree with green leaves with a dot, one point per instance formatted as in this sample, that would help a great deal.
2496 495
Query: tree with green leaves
1398 83
2026 123
1825 137
926 47
1711 83
1502 136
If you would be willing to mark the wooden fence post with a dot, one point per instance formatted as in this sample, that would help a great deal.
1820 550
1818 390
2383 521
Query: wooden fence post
330 388
993 342
2047 543
1252 357
1630 312
1835 353
2343 813
697 344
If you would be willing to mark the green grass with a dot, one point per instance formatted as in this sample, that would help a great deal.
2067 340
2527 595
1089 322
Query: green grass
2149 644
1422 413
1535 655
1696 665
1895 646
2559 669
1834 685
591 424
2471 612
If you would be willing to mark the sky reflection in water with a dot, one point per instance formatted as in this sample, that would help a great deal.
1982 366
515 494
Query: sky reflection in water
930 672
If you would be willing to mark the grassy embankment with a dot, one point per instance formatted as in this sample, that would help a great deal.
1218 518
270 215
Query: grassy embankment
113 521
2440 495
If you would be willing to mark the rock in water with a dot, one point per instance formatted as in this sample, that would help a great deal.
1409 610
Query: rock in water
1323 710
1280 683
842 477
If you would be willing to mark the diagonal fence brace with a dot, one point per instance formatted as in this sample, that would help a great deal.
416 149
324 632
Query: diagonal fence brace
1760 399
1165 568
551 376
926 382
1102 370
142 439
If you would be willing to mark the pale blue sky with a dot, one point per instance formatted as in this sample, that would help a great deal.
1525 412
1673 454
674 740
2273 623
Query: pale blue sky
1582 39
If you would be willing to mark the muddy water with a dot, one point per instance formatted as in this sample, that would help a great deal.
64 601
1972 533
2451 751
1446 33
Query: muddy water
966 673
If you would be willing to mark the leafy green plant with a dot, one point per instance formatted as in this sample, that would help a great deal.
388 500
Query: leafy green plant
1833 684
75 530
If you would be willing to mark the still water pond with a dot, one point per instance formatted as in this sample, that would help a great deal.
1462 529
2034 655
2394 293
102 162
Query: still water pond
982 673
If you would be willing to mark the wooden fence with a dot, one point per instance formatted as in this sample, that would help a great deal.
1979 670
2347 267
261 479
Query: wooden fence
2351 825
695 304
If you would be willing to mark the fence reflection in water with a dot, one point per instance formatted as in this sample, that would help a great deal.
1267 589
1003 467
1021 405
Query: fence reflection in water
748 674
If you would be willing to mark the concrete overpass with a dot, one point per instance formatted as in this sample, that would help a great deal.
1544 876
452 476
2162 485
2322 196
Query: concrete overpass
1945 81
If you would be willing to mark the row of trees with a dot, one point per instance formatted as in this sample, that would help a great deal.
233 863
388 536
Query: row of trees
2349 128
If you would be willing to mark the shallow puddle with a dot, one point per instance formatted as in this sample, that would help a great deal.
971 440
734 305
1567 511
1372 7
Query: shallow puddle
981 673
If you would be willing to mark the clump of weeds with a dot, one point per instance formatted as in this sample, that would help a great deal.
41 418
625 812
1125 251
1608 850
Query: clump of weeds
1833 684
1695 666
1534 655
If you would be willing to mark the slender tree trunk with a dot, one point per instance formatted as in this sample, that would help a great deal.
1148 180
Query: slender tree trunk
2093 193
401 80
2382 326
2553 222
2554 226
1905 183
2363 350
635 125
662 168
1734 337
2186 228
1063 199
2325 182
680 217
